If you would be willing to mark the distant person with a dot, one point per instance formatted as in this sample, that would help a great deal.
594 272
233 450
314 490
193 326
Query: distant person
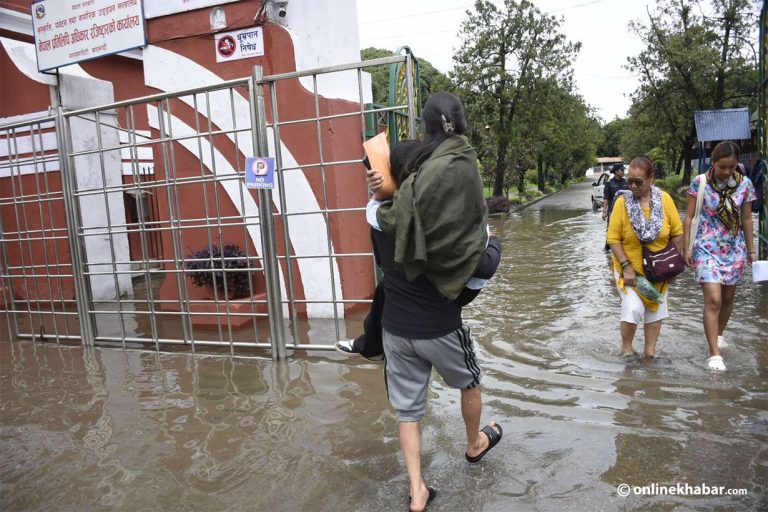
724 242
369 344
433 238
644 214
611 187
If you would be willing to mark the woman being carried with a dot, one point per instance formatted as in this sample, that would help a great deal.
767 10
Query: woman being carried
642 215
369 344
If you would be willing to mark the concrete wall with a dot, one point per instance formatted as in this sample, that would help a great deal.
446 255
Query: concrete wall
98 171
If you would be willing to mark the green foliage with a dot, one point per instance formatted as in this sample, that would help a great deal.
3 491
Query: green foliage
513 74
698 56
432 80
672 183
379 74
533 194
611 138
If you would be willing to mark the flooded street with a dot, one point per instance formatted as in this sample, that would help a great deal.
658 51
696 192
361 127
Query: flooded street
102 428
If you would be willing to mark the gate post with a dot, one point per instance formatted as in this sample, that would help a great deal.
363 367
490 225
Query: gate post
267 221
69 187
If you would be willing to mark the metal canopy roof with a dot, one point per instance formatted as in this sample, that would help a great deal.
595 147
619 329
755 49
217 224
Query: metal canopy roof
724 124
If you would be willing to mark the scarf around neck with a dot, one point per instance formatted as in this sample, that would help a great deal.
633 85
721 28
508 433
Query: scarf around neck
647 230
727 211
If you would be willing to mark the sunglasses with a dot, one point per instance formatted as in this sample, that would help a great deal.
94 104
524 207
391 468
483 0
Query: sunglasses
638 182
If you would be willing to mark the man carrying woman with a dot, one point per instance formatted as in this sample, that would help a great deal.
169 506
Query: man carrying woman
434 235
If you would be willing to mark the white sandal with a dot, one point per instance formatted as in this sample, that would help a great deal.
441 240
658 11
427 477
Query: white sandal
716 363
721 342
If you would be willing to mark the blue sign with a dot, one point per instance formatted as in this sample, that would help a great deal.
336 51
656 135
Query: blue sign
259 172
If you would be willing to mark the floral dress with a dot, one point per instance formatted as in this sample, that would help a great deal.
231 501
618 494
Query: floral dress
718 255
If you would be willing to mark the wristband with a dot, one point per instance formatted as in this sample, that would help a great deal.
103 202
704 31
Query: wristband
624 264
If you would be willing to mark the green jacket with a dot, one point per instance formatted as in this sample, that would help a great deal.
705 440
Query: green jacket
437 219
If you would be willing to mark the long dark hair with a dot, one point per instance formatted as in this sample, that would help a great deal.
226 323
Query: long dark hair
442 117
398 159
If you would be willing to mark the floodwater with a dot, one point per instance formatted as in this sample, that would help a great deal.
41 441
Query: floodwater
111 429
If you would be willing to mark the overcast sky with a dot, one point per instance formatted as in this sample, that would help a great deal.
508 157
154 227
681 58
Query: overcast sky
430 28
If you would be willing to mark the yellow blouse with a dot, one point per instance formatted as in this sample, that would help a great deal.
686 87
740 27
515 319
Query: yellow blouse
620 231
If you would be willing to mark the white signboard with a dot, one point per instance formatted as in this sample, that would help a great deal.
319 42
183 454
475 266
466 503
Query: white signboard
71 31
157 8
241 44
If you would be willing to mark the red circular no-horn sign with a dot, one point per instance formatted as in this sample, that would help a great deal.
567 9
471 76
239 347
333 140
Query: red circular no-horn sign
226 46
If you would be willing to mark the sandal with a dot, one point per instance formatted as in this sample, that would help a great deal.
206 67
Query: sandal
432 493
494 436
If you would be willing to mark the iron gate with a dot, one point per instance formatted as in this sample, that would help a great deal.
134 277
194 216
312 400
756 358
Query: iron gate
150 200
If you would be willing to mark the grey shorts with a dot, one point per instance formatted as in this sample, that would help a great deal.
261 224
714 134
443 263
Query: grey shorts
409 363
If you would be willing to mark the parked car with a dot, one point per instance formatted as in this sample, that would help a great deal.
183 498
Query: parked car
597 190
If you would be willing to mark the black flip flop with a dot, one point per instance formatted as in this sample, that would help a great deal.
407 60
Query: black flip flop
432 493
493 439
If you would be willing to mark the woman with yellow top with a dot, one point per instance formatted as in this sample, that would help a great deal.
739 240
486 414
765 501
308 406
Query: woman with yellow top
644 214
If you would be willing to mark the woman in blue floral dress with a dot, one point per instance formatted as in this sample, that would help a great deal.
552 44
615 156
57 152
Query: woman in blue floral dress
723 243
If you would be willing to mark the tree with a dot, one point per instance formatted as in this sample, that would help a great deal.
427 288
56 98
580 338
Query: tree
432 80
693 61
569 131
504 53
611 132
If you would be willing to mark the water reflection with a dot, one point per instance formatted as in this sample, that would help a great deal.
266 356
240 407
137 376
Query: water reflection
104 428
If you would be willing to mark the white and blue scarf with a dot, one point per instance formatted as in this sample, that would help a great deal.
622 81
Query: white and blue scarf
647 230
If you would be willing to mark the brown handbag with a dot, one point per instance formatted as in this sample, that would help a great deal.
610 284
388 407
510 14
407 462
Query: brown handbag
664 264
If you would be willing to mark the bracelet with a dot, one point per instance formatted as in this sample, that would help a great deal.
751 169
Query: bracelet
624 264
751 252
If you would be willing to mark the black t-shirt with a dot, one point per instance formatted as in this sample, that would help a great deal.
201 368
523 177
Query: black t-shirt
415 309
610 189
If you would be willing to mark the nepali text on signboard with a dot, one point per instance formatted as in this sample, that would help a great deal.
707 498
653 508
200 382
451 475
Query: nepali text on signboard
71 31
240 44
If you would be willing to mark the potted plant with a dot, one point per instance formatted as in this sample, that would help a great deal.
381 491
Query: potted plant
226 270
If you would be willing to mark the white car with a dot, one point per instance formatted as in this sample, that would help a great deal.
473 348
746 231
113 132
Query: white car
597 190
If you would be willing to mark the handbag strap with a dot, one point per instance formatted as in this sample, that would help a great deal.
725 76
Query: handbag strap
700 194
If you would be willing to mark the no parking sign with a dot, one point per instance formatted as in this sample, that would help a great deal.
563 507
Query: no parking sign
259 172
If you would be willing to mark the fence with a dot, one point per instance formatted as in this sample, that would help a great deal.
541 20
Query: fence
113 214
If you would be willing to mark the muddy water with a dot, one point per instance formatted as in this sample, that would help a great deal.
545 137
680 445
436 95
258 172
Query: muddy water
96 429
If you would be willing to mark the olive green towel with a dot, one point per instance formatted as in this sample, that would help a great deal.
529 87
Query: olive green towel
437 219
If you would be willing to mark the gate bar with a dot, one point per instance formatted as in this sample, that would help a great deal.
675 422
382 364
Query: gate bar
267 221
69 186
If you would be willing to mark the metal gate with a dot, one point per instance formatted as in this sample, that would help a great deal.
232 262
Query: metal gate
150 201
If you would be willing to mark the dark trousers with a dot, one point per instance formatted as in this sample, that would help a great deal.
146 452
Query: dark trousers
369 344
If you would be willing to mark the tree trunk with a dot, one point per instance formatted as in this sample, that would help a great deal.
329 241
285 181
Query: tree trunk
503 136
501 154
542 173
688 153
728 17
501 157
